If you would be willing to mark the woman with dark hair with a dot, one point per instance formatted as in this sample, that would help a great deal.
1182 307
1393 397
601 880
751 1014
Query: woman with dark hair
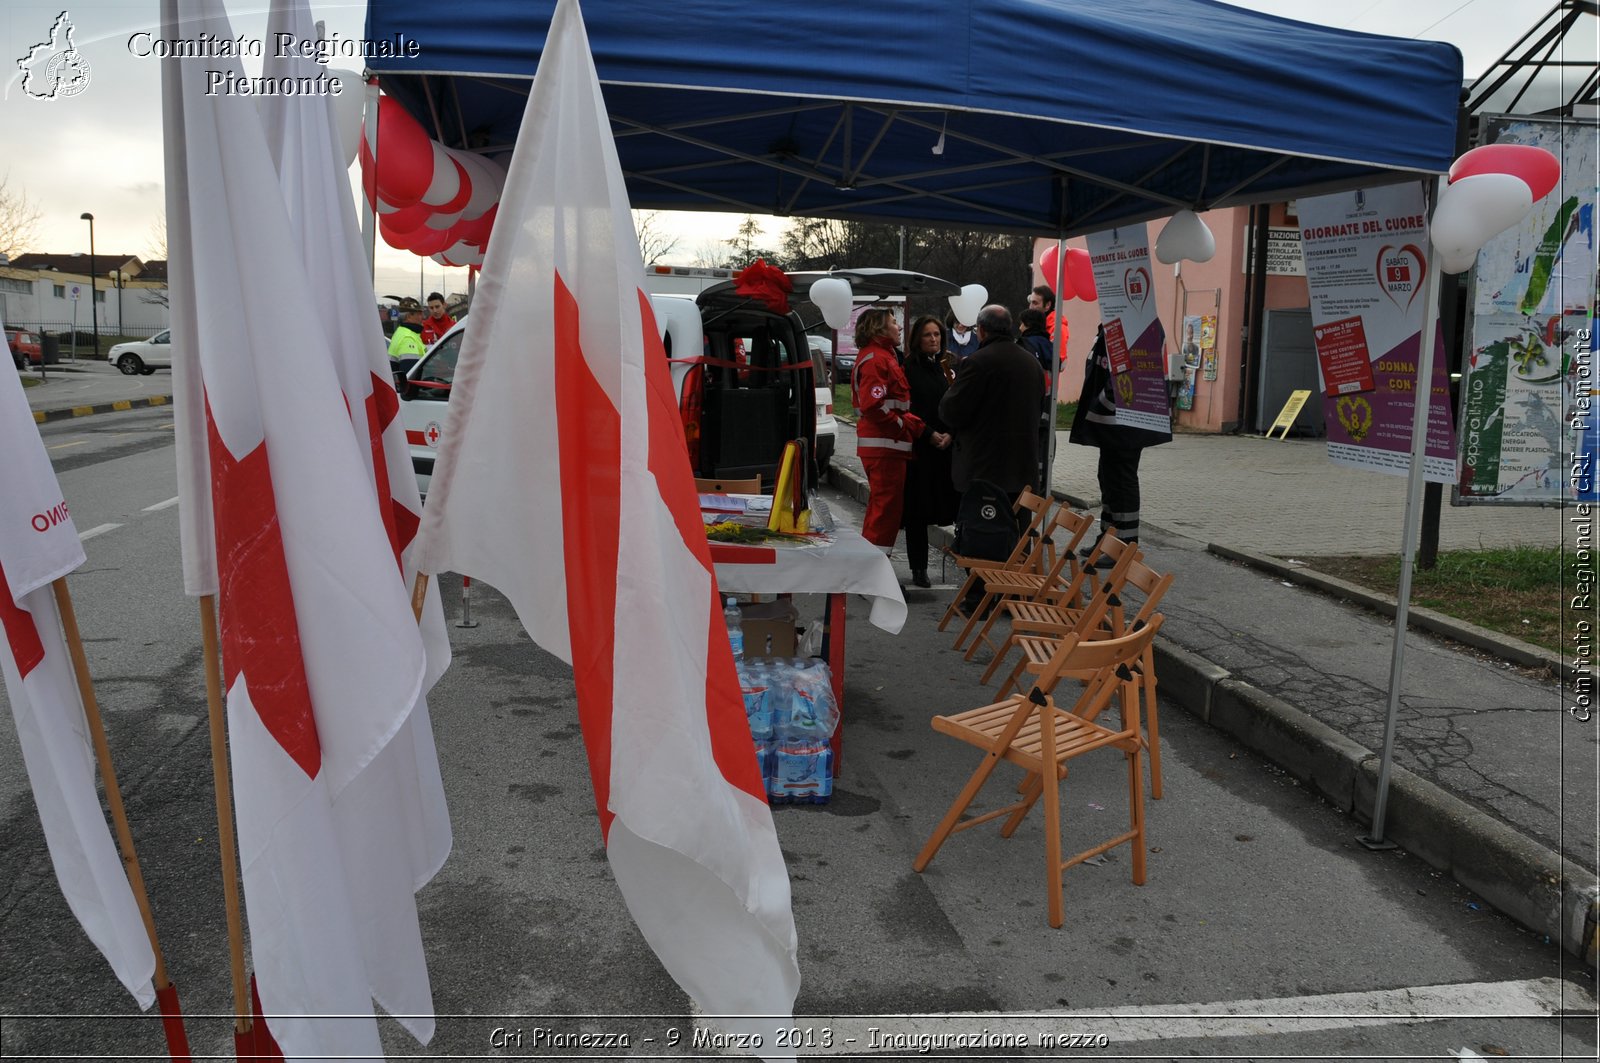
885 425
930 493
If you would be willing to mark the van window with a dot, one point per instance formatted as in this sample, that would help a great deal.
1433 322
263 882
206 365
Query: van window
439 368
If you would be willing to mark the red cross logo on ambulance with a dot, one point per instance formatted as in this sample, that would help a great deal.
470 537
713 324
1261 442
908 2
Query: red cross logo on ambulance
432 433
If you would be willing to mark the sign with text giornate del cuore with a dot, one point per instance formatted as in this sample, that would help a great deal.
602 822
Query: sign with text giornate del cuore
1120 259
1366 259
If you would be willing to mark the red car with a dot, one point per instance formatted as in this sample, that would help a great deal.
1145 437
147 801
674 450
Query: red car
25 348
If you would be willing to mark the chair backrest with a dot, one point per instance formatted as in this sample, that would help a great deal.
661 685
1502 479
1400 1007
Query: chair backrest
1085 573
750 486
1104 606
1082 657
1152 585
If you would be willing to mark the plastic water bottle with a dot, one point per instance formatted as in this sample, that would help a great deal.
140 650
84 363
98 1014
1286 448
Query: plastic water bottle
754 685
802 762
735 622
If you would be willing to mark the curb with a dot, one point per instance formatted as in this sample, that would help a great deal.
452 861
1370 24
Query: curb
42 416
1520 877
1419 617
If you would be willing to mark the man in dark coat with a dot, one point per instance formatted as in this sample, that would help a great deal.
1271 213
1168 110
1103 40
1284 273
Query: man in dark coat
992 407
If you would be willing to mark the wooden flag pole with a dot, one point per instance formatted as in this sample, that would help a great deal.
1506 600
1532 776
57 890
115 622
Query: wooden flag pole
242 1011
172 1021
419 595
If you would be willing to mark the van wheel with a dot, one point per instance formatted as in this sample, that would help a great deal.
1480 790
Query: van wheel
130 364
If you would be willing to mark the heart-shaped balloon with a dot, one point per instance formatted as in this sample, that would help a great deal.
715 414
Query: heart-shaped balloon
832 296
1080 276
1535 167
966 305
1185 236
1047 266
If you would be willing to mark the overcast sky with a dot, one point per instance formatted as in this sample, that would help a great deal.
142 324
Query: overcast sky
100 151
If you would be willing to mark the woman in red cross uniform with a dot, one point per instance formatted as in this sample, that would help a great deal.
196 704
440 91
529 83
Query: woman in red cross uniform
885 425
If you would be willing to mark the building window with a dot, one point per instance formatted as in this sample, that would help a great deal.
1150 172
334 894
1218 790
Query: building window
99 295
10 284
58 290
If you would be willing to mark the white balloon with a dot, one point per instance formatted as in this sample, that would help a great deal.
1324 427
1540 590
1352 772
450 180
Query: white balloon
832 296
385 208
463 254
488 178
1471 212
348 107
442 221
1185 236
966 305
446 181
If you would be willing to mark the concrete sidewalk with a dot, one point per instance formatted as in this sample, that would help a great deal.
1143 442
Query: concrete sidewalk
85 387
1494 780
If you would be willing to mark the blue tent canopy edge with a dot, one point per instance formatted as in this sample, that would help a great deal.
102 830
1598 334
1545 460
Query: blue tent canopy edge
1052 116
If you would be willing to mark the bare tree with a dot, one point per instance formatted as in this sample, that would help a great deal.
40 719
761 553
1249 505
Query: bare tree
712 254
655 243
156 251
19 220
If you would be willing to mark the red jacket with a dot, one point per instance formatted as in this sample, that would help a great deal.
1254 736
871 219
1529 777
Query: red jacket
885 425
432 330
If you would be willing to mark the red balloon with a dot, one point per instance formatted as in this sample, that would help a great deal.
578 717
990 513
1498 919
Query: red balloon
405 155
369 176
1535 167
395 237
476 230
1080 275
426 241
409 219
1047 266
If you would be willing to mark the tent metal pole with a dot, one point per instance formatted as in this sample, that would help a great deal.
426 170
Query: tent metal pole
1051 376
369 216
1422 403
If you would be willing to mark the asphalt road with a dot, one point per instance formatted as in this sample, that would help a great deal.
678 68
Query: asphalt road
1264 929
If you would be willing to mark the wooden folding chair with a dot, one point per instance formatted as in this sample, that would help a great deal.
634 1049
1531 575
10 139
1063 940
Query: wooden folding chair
1064 579
1032 633
1023 555
1085 607
1031 731
750 486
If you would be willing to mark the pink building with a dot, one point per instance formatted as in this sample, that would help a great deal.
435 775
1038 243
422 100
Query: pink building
1246 391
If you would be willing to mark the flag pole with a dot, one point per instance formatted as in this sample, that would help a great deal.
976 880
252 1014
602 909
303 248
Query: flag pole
166 992
419 595
243 1021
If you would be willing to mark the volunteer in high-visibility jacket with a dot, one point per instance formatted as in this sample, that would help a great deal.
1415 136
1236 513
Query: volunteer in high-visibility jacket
885 425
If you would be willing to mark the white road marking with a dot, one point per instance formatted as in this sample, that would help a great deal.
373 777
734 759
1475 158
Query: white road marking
162 505
100 529
1537 998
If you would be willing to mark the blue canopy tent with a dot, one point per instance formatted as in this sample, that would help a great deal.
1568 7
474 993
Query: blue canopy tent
1030 116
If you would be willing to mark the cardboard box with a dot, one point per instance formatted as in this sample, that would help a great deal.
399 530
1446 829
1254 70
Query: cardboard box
769 629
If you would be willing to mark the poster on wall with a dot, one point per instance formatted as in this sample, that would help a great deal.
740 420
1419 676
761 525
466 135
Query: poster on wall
1528 387
1208 346
1366 260
1120 259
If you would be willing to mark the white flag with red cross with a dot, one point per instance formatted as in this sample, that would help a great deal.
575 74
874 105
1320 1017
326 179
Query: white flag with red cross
38 544
596 538
322 660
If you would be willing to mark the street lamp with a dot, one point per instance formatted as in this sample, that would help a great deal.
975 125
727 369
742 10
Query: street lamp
94 311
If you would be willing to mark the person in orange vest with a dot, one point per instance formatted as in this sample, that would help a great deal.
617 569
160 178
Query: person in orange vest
885 425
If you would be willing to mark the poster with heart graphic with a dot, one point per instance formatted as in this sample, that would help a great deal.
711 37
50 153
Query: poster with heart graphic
1366 258
1120 259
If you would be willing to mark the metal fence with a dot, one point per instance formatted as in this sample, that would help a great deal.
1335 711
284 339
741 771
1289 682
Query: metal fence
63 333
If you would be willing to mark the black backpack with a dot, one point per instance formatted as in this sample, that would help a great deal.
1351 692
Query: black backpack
985 526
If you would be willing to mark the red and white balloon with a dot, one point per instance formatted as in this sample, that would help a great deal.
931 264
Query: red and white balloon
1490 189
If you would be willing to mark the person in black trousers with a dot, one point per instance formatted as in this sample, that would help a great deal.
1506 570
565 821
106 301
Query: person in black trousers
1095 425
930 493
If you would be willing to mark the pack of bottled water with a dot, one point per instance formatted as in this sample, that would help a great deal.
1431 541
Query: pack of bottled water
792 712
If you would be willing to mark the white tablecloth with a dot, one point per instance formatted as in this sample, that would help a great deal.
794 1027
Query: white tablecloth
848 565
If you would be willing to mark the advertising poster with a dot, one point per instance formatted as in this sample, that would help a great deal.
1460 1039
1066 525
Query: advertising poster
1120 259
1208 346
1366 260
1528 387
